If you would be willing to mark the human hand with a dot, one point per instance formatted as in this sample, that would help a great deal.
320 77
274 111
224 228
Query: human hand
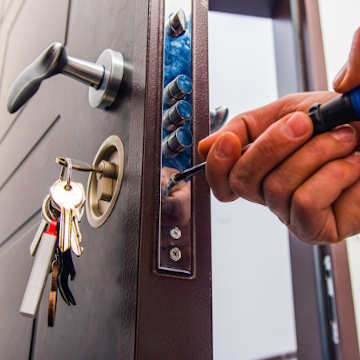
176 206
311 184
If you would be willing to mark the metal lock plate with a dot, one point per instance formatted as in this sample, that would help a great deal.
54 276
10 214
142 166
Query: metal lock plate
103 187
175 248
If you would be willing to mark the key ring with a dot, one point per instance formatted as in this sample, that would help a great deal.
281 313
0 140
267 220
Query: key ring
68 173
62 172
44 210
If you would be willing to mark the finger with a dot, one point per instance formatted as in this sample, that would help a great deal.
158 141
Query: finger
220 160
312 218
349 76
347 210
266 153
250 125
281 183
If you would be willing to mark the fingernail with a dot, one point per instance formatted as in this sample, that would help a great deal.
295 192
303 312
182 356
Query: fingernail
297 125
344 133
340 77
224 147
354 157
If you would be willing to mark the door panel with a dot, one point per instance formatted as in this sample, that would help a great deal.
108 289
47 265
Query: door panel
31 125
22 40
102 325
29 26
29 184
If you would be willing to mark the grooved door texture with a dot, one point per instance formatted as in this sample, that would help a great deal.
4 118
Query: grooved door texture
113 318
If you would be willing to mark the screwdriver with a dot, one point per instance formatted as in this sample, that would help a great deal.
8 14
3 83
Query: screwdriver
341 110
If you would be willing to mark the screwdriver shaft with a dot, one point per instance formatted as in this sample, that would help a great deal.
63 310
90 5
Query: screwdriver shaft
190 172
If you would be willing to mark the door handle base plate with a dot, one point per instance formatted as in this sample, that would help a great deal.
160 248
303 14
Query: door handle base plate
105 95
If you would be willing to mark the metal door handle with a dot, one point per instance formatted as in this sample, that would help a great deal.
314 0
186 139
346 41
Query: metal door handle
104 77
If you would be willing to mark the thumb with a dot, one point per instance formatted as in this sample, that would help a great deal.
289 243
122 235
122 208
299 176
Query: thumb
349 76
205 144
236 126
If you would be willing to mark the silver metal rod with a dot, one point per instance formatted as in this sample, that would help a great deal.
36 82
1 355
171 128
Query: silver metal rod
87 72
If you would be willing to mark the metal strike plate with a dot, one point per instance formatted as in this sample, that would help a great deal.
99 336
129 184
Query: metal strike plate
175 248
103 188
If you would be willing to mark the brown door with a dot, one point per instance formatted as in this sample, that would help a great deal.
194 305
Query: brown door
125 308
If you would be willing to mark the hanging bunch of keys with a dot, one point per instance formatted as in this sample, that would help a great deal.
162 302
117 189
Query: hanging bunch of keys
57 237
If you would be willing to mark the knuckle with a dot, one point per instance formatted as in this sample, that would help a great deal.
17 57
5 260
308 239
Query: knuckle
268 148
239 184
326 234
289 103
302 201
243 185
289 98
274 189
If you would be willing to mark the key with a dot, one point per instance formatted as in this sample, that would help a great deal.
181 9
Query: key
39 272
69 199
39 232
76 238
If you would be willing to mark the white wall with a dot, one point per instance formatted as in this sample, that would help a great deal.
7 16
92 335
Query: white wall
252 295
339 20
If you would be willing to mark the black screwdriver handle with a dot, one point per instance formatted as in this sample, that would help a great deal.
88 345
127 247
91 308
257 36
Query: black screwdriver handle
339 111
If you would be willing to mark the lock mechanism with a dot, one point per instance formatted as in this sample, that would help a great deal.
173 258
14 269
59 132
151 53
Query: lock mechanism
176 240
103 77
104 185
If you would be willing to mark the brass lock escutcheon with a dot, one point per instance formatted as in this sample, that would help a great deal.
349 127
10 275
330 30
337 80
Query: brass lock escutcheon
104 186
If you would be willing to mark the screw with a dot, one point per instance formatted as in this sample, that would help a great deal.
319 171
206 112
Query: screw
175 254
175 233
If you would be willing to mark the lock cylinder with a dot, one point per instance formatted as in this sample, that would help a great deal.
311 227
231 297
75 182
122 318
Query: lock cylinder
176 116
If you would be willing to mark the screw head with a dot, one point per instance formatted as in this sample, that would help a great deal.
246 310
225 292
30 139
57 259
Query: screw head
175 233
175 254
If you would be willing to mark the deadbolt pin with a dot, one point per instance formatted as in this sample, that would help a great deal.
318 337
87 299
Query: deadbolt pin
177 24
176 116
177 89
178 141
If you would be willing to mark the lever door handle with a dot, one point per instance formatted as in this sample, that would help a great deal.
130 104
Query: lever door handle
104 77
